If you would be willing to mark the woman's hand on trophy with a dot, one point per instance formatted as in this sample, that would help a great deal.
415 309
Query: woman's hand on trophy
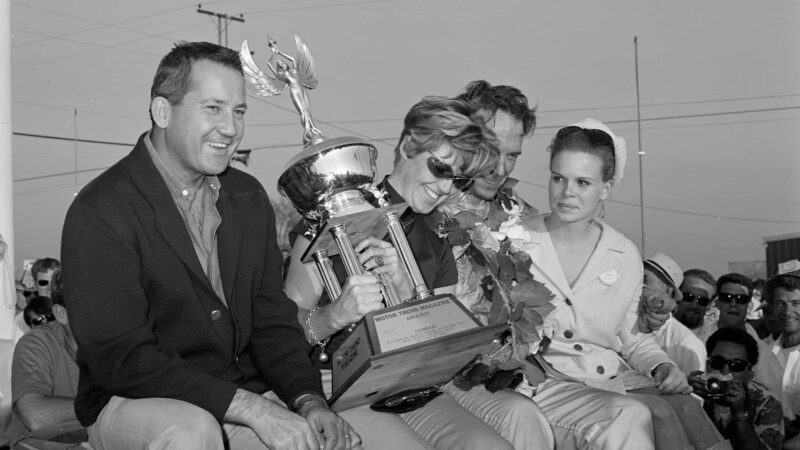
361 294
380 257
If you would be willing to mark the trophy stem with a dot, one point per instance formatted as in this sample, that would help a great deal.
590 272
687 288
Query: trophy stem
347 250
400 242
325 268
353 266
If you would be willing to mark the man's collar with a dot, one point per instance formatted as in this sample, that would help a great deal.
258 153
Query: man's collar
176 188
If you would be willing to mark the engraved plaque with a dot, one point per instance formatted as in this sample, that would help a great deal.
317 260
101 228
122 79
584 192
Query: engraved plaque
420 321
416 344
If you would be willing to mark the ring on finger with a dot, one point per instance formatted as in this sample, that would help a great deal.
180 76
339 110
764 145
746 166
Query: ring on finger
378 260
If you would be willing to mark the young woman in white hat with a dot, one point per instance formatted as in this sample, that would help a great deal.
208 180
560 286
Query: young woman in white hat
596 275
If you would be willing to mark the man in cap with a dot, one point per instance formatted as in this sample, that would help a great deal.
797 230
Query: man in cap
662 280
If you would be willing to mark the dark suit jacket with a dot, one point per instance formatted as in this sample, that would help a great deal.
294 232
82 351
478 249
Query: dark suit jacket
146 318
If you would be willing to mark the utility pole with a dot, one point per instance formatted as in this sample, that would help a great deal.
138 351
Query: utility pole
222 22
641 151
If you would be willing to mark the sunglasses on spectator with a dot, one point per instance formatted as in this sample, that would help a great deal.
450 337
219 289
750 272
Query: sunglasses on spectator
444 171
740 299
717 362
42 282
38 321
596 137
691 298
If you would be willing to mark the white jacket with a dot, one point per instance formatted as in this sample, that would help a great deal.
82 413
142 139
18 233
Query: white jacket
593 328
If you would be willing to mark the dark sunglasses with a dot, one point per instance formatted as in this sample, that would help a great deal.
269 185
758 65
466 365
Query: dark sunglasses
38 321
444 171
596 137
717 362
740 299
42 282
691 298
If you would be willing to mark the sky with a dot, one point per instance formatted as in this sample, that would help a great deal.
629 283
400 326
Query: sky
719 84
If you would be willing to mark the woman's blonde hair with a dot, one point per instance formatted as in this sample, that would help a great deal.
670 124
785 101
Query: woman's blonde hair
435 122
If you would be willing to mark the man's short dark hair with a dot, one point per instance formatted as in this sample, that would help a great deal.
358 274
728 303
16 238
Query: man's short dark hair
702 274
735 278
509 99
737 336
174 74
40 306
787 282
42 265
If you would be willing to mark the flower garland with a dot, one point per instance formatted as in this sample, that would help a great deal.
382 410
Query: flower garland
492 236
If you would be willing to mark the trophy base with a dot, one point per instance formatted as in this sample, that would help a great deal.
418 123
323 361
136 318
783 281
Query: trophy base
413 345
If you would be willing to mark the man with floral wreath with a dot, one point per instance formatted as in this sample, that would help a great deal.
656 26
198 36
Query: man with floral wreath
491 197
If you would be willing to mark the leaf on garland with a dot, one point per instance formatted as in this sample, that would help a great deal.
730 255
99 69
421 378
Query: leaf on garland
532 292
495 217
530 315
483 239
525 328
542 310
509 364
498 313
458 237
533 371
522 264
505 246
516 312
506 270
467 219
477 256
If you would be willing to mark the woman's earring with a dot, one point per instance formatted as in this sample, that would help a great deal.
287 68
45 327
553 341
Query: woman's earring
602 209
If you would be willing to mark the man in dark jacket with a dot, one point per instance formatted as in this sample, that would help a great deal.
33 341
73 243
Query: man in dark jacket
172 278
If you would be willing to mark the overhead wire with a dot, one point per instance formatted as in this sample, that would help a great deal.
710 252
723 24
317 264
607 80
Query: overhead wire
597 108
684 212
105 47
100 26
303 8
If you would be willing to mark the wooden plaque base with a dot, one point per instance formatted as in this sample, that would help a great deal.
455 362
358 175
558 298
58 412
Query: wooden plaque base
414 345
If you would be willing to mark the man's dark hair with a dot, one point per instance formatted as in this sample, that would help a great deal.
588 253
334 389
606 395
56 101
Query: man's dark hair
42 265
509 99
735 278
737 336
787 282
702 274
174 74
40 306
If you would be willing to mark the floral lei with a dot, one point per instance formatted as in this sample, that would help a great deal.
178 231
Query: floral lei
492 236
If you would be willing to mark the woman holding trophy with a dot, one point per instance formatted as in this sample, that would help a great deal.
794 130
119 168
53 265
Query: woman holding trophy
442 148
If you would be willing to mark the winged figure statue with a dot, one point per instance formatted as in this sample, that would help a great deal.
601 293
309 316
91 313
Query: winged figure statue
298 74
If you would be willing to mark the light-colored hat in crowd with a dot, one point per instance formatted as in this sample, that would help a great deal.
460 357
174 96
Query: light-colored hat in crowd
669 270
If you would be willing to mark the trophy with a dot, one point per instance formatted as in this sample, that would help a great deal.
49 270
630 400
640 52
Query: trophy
412 343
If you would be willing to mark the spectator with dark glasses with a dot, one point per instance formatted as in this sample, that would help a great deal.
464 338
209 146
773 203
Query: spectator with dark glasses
696 309
733 296
743 410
